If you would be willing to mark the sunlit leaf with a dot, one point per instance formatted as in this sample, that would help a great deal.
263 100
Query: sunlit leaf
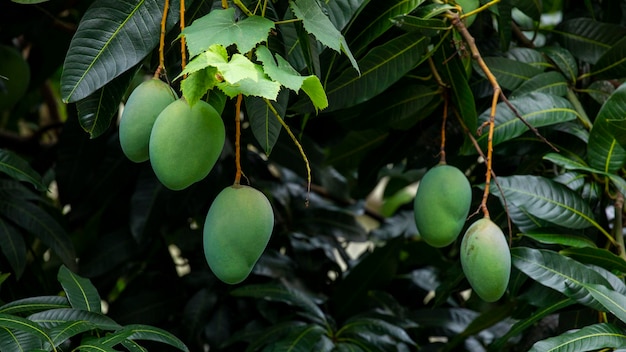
260 86
196 84
220 27
112 37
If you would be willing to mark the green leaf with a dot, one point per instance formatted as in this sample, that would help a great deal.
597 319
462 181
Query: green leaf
151 333
13 247
96 111
81 293
94 346
530 321
613 301
19 169
280 293
64 331
551 82
232 70
220 27
597 256
589 338
300 340
600 90
360 326
279 69
604 153
112 37
196 84
569 240
29 2
537 109
37 221
354 147
17 340
341 12
380 68
53 317
428 27
588 39
558 272
266 336
547 200
25 325
564 61
509 73
31 305
377 18
317 23
265 126
612 63
259 86
529 56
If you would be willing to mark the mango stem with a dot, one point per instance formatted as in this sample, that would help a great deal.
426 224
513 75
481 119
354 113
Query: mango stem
238 171
161 66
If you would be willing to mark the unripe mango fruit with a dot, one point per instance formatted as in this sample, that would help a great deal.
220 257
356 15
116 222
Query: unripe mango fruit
486 259
185 143
236 231
143 106
14 76
441 205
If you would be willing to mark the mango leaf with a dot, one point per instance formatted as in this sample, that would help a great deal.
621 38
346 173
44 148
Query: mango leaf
281 293
570 240
34 304
29 2
279 69
588 39
531 8
613 301
377 19
94 346
367 326
354 147
66 330
597 256
509 73
25 325
151 333
220 27
558 272
428 27
505 20
259 86
53 317
13 247
112 37
17 340
529 56
612 63
133 346
259 338
341 12
580 165
265 126
537 109
600 90
81 293
96 111
300 340
589 338
19 169
524 324
547 200
551 82
564 61
604 153
317 23
380 68
37 221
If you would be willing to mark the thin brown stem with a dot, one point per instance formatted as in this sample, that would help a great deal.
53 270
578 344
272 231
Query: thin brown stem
161 66
183 45
618 225
238 139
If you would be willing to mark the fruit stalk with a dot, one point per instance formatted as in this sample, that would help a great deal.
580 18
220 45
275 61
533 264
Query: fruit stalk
183 42
238 172
161 67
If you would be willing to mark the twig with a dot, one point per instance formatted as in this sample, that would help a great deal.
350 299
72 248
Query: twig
238 139
161 66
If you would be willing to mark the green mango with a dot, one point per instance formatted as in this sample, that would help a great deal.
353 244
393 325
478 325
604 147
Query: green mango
14 77
236 231
441 205
185 143
486 259
143 106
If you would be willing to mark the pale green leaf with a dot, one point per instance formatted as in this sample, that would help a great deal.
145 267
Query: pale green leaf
260 86
196 84
221 27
